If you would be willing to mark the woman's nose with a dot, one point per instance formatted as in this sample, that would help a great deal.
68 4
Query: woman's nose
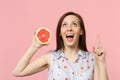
69 28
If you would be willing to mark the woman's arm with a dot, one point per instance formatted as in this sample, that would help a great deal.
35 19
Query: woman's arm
100 70
25 67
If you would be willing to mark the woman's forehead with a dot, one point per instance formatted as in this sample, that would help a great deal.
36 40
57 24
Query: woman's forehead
71 18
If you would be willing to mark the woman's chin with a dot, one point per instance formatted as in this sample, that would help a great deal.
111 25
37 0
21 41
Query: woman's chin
70 44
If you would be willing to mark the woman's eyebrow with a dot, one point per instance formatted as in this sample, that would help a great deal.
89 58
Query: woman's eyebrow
64 22
75 21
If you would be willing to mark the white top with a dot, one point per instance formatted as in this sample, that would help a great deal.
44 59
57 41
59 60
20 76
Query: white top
61 69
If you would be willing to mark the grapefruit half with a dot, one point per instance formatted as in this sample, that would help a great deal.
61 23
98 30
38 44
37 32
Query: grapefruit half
43 35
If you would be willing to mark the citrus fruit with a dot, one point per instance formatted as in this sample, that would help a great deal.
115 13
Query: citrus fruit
43 35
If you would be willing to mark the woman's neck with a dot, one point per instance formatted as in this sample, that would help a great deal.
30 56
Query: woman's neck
71 51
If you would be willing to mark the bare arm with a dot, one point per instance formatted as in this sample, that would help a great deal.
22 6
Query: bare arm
25 67
100 70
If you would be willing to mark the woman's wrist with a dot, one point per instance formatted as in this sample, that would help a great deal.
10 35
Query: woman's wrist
101 63
36 45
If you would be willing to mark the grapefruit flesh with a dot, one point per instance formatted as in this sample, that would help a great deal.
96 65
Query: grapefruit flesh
43 35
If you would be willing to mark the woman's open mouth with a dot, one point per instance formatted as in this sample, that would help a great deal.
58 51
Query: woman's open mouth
69 37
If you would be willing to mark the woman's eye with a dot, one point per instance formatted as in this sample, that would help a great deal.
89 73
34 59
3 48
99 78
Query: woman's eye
64 25
75 24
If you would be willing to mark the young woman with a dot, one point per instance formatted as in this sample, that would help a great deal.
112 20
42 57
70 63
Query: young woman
71 59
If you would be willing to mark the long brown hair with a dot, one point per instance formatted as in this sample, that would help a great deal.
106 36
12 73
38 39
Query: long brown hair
82 38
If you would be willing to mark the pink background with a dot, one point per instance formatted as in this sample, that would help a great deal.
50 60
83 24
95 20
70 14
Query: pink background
20 18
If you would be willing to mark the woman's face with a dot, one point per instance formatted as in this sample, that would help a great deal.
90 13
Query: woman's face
70 30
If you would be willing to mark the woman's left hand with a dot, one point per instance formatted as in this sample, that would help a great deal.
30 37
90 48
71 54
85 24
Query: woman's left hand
99 51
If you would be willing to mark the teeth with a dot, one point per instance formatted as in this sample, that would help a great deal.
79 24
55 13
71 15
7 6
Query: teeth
69 35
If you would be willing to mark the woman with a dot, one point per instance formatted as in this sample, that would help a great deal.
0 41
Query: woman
71 59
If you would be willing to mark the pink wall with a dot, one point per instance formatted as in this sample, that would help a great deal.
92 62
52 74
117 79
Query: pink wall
20 18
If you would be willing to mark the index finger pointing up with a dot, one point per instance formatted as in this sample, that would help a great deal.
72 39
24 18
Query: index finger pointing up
97 45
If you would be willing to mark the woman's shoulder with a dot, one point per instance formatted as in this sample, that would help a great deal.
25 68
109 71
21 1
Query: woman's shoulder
88 53
50 55
91 56
51 52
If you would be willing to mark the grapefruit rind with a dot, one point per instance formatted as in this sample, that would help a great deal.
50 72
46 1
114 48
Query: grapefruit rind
38 38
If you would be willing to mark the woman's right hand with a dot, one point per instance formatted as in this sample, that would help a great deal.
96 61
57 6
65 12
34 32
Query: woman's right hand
35 43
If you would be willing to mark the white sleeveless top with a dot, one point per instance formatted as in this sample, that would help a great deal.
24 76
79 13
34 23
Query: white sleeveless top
61 69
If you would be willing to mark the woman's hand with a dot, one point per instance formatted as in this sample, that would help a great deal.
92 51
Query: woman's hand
42 36
99 51
35 43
